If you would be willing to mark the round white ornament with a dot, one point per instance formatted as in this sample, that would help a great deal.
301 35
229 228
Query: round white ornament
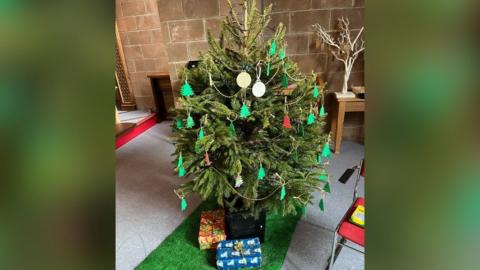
244 79
258 89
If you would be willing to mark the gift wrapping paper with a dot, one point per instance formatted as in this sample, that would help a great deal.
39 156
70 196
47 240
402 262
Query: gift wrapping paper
228 257
212 229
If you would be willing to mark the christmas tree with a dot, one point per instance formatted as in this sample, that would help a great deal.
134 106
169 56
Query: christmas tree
260 141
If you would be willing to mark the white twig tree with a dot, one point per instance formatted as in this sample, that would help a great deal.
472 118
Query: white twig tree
344 48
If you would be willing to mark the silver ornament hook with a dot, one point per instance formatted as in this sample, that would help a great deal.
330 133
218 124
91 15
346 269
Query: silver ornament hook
259 70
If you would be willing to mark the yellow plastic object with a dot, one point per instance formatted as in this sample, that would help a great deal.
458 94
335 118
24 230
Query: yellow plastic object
358 216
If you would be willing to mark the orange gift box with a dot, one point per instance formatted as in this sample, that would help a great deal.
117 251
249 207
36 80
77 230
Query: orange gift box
212 229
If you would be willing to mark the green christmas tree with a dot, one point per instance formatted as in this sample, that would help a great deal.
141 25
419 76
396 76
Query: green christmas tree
252 156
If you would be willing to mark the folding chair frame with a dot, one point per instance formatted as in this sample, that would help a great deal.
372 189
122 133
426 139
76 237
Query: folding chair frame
337 246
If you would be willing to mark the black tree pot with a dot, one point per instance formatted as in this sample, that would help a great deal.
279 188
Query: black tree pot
243 224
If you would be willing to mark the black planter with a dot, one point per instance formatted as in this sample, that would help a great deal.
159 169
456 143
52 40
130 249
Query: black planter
242 224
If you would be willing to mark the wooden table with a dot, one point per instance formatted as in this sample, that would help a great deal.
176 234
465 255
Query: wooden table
341 106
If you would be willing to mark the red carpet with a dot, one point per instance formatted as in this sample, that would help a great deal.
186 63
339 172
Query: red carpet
141 127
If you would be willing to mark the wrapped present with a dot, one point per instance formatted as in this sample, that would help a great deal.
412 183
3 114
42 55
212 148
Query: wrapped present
239 254
212 229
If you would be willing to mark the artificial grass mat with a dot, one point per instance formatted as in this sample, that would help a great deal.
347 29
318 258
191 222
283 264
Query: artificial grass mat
180 249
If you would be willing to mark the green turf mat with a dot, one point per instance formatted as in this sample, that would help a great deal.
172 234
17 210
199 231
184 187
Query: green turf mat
180 249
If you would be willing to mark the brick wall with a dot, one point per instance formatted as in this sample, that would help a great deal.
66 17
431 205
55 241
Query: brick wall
185 23
303 44
162 35
305 48
143 44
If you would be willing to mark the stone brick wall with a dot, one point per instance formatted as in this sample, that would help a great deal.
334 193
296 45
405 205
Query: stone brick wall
304 46
143 44
185 23
162 35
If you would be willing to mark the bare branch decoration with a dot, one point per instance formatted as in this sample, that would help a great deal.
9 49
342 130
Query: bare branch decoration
343 48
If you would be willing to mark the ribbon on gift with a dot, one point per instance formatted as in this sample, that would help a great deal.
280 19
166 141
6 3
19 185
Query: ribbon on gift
238 246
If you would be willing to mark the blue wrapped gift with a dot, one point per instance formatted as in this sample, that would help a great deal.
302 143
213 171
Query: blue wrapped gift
236 254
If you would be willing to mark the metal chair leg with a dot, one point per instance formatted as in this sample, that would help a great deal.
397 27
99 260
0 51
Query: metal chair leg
334 245
355 191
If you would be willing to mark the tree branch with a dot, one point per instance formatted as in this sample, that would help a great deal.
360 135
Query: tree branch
343 48
358 35
327 38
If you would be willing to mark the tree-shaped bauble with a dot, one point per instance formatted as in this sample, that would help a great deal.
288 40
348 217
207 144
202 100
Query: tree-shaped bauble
190 122
261 173
231 130
183 204
310 118
186 90
315 91
244 112
326 150
321 204
273 48
322 112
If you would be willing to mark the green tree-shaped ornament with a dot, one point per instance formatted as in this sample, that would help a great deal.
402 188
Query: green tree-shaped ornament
183 204
322 111
186 90
321 205
284 82
261 173
273 48
310 119
200 134
179 123
244 112
231 130
315 91
326 188
190 122
180 160
181 171
282 53
283 193
326 150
